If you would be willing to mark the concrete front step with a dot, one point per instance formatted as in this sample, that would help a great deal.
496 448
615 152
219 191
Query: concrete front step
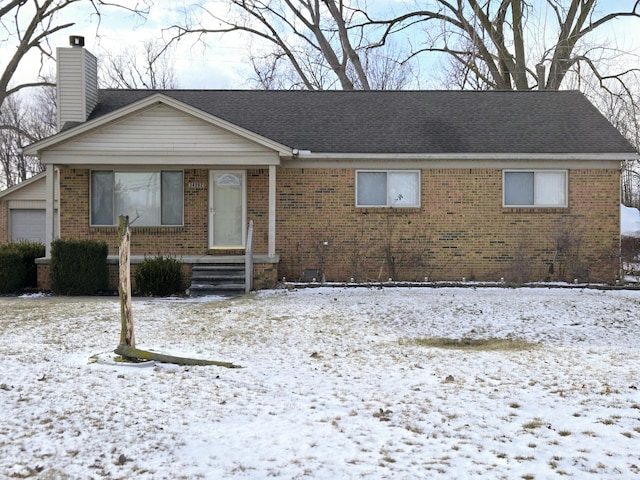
224 280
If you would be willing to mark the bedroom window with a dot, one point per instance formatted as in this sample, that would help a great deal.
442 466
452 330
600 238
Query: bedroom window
540 188
388 188
155 198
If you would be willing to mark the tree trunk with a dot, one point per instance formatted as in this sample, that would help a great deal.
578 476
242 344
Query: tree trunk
127 347
124 284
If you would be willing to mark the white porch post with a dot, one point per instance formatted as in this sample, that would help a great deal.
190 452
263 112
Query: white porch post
272 210
49 207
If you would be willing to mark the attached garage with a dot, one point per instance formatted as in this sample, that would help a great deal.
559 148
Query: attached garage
27 225
22 212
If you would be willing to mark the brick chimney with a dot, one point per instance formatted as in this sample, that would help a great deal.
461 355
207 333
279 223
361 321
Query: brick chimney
77 82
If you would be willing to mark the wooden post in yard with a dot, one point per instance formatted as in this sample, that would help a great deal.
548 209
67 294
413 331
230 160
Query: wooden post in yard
124 284
127 347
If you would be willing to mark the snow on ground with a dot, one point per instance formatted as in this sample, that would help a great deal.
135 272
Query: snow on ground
629 221
334 386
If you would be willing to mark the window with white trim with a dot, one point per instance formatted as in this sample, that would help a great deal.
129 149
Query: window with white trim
535 188
151 198
388 188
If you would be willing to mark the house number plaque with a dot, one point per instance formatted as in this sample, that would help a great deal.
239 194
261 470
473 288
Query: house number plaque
197 185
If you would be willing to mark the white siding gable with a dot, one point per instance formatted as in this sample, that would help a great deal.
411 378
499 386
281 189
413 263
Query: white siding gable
160 131
32 191
30 194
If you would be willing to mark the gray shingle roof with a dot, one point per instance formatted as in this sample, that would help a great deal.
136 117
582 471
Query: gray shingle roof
433 122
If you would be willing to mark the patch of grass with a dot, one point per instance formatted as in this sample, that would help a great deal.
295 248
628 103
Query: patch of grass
533 424
386 456
479 344
414 429
564 433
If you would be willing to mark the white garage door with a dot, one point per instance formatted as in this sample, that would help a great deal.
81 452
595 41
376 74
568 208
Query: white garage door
27 225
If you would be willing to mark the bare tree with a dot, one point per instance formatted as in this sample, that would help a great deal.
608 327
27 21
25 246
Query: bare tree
25 29
385 70
148 68
306 44
29 24
492 39
30 118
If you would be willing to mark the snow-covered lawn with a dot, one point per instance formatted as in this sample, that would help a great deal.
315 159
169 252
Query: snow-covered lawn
335 386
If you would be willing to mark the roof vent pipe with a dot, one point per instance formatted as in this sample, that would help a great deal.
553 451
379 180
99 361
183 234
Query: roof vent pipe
542 75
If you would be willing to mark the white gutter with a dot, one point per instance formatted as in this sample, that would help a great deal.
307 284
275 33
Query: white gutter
310 156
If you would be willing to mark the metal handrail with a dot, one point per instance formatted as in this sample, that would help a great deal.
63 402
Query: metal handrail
248 260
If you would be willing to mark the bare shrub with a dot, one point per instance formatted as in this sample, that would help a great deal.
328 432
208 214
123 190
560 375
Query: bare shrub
567 238
519 269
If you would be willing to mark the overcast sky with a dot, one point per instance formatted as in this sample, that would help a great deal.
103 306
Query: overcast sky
223 63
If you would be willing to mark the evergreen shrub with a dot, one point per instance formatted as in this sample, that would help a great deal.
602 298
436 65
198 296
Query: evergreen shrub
29 251
18 267
158 276
12 270
78 267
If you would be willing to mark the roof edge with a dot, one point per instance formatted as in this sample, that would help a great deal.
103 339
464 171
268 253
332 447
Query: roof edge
24 183
155 98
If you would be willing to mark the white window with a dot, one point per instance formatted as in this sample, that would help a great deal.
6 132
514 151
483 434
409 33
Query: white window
151 198
540 188
398 188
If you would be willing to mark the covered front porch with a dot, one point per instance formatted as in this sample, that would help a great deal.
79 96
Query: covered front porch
193 182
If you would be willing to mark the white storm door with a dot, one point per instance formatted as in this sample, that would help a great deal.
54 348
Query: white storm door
227 208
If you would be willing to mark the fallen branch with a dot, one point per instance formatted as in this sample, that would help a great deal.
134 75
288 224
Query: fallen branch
133 353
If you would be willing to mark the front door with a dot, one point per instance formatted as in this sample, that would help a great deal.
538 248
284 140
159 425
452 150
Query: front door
227 209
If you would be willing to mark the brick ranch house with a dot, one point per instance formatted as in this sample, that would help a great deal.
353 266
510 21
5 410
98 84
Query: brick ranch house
362 185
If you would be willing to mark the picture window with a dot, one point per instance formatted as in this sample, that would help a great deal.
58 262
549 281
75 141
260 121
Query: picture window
148 198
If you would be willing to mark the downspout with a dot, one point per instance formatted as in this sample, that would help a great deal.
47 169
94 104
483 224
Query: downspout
272 211
50 189
620 277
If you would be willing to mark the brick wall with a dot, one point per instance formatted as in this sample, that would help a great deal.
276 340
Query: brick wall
190 239
460 230
4 221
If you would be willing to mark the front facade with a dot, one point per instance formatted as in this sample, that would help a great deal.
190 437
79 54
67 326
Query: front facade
342 186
